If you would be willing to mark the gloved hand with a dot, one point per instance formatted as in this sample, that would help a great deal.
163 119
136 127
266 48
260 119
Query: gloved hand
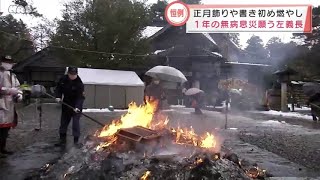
76 110
13 91
19 97
58 100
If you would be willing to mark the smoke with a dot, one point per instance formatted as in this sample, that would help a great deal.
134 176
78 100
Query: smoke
281 54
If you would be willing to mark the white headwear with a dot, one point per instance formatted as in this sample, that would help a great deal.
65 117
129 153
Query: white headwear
7 66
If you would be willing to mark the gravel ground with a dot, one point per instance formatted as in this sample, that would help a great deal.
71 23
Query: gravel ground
33 149
299 141
294 139
25 133
301 149
271 141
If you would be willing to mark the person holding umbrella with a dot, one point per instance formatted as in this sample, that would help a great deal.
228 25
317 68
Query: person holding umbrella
196 96
312 90
314 101
71 88
196 103
154 93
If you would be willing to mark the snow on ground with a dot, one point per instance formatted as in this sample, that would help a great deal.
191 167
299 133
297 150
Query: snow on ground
168 110
273 122
303 108
284 114
116 110
103 110
177 106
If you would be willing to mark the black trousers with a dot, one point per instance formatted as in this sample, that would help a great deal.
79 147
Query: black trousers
4 132
66 116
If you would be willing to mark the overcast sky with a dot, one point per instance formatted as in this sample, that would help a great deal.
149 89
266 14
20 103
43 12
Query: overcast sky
52 9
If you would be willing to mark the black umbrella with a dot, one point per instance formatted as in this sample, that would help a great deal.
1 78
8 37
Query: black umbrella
311 88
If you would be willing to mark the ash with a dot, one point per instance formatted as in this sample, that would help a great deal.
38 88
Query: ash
172 162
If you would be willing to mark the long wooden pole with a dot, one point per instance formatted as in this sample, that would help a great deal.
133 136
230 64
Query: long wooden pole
227 103
226 116
92 119
227 100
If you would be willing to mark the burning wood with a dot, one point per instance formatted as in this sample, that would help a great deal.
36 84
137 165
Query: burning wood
145 175
173 162
138 123
208 141
176 153
137 134
136 116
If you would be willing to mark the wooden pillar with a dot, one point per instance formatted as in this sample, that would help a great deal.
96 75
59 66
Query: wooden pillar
167 61
284 98
196 84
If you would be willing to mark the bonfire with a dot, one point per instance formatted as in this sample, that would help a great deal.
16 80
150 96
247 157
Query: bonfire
141 145
145 116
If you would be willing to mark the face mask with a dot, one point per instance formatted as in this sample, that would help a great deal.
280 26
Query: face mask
7 66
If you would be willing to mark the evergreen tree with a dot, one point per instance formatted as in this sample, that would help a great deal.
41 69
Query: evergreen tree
256 51
110 26
15 38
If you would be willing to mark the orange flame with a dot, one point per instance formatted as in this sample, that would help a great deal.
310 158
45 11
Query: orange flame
106 144
136 116
208 141
144 116
146 175
186 136
198 161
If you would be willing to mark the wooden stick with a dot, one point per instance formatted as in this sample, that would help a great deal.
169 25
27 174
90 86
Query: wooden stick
92 119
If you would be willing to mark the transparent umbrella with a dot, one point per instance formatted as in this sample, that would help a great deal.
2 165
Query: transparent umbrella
167 73
193 91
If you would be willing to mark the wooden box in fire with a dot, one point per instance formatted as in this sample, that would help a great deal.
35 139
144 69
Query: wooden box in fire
137 137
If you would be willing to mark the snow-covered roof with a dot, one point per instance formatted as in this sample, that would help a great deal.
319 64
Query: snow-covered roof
109 77
159 51
217 54
249 64
209 38
150 31
297 82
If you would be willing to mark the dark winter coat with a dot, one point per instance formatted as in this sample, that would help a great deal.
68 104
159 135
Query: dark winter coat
154 90
72 91
315 99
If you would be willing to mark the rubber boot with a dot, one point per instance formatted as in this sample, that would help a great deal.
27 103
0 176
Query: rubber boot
3 147
76 142
314 118
62 141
